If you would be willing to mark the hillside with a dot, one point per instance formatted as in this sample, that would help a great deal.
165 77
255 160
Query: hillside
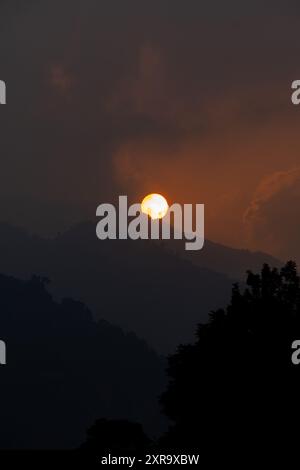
63 367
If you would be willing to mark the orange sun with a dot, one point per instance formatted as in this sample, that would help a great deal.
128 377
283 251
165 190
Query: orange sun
155 206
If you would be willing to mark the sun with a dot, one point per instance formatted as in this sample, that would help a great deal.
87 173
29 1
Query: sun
154 205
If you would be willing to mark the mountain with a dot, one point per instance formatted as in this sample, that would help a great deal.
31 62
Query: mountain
148 287
64 370
223 259
138 285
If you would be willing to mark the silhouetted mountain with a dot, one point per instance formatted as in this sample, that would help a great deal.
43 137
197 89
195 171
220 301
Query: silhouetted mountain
64 369
143 286
138 285
223 259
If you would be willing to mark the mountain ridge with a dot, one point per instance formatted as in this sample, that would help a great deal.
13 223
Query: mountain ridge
148 287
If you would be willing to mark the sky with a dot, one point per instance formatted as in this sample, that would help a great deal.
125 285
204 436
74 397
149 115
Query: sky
189 99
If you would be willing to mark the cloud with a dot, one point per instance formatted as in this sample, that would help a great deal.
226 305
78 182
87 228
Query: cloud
271 220
269 187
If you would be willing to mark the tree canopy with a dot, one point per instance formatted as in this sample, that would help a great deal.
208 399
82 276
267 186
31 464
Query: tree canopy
238 375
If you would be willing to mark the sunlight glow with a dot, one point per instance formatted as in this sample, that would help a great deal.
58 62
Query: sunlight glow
155 206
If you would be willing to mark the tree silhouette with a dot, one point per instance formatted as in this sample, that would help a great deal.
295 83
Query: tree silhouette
237 386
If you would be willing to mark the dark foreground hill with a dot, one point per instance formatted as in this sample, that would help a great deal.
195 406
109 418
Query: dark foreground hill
64 370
